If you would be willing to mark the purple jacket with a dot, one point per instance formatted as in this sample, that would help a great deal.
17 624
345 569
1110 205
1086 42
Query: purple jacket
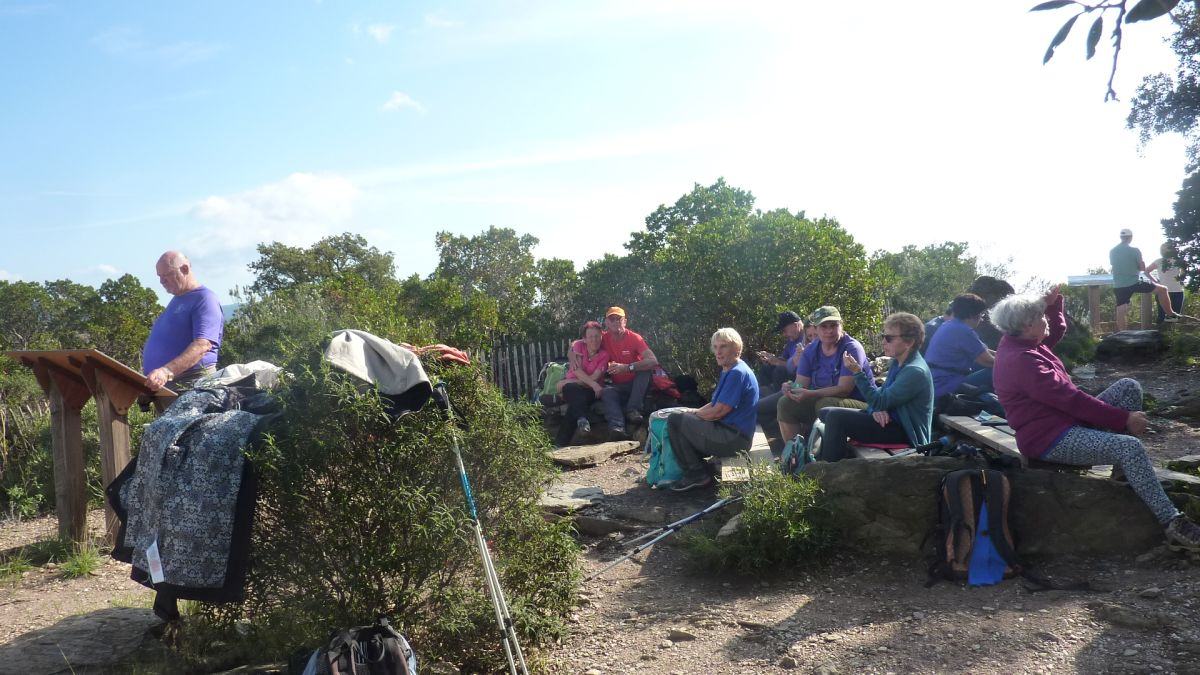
1038 395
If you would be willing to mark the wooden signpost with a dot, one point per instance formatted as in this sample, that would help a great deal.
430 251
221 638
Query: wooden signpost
69 377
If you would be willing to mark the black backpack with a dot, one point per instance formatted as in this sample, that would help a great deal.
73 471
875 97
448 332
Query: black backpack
961 533
962 497
364 650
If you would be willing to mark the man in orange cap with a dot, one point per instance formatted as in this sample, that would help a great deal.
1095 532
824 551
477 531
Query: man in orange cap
630 367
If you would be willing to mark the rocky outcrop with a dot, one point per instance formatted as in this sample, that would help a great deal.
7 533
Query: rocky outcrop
1131 346
889 506
96 642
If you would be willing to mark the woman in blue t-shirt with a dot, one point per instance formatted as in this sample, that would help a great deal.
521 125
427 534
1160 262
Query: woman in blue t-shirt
959 360
725 425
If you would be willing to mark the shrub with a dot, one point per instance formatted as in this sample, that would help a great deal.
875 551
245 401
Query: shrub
359 514
1077 346
1183 348
83 560
782 521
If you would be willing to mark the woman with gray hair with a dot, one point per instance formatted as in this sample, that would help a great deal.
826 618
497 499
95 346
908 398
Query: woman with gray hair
725 425
1056 422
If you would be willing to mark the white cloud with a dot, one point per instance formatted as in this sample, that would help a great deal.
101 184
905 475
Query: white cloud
128 42
434 20
382 32
296 210
399 101
5 275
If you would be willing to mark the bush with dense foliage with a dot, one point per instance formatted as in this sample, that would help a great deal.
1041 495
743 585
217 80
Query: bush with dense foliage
783 522
360 514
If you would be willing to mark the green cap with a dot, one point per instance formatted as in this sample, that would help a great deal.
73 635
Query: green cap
826 313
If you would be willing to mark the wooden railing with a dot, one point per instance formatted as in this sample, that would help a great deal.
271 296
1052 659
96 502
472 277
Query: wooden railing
515 366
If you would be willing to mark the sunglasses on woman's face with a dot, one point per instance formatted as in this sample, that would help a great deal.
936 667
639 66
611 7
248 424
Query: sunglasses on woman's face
888 338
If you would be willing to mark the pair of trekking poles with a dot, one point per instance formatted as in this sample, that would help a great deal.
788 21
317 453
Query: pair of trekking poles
504 622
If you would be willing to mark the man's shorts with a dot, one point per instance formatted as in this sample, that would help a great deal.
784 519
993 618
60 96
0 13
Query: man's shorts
792 412
1124 293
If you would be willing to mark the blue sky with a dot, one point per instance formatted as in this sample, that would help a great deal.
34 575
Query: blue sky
130 128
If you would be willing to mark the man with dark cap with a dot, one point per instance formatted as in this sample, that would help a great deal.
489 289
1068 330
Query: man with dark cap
775 370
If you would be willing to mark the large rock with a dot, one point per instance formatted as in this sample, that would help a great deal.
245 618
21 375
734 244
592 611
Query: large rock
579 456
95 642
889 506
1131 346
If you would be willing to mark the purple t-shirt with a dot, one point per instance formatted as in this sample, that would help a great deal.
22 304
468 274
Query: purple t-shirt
825 371
951 355
195 314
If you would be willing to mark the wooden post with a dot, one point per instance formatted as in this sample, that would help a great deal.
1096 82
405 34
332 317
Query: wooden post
113 398
1147 310
1094 307
67 397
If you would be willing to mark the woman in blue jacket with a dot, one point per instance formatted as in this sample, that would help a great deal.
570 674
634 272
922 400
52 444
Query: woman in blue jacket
901 411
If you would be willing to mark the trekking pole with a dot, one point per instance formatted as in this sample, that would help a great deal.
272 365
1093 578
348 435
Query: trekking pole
508 634
664 532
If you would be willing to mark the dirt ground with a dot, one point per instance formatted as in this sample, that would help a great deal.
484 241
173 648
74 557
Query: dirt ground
848 614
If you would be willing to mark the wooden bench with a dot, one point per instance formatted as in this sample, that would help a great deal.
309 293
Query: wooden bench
1000 438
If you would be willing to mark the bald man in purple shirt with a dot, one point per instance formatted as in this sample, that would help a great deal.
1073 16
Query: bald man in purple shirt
183 343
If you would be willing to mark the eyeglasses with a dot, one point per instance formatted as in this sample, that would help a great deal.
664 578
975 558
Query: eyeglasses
888 338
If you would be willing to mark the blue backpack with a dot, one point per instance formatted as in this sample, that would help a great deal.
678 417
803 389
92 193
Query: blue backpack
663 470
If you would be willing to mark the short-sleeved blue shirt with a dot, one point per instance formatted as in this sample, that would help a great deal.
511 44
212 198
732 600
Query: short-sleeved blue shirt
789 350
951 355
825 371
738 389
195 314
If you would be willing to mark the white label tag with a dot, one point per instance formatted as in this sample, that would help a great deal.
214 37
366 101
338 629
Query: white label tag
155 562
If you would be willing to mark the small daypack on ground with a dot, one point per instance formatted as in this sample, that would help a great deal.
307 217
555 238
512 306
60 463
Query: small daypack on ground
663 469
364 650
796 454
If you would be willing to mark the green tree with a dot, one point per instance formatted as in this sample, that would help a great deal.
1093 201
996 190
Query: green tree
120 317
711 261
923 281
345 255
702 204
1170 103
497 262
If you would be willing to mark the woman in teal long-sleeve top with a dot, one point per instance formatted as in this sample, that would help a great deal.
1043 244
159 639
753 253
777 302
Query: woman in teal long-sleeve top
901 411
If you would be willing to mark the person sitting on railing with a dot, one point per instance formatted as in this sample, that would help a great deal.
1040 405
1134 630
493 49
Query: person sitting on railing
901 411
584 381
1056 422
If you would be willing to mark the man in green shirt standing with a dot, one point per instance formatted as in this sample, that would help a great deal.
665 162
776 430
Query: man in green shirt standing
1126 263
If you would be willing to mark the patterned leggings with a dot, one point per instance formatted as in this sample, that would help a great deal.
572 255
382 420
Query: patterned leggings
1084 446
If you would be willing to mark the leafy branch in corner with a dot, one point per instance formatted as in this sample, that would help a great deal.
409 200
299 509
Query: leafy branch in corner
1143 10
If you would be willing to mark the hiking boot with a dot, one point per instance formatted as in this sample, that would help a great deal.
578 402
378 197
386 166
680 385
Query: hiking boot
618 434
1171 319
693 483
1183 534
583 425
634 417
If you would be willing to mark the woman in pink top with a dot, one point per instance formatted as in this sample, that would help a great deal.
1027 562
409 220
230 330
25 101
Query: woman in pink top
582 385
1056 422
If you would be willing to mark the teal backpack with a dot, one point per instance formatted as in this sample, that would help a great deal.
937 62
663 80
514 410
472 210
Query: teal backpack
663 470
796 454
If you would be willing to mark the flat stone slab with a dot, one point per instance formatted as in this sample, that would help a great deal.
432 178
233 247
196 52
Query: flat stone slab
565 497
579 456
92 642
